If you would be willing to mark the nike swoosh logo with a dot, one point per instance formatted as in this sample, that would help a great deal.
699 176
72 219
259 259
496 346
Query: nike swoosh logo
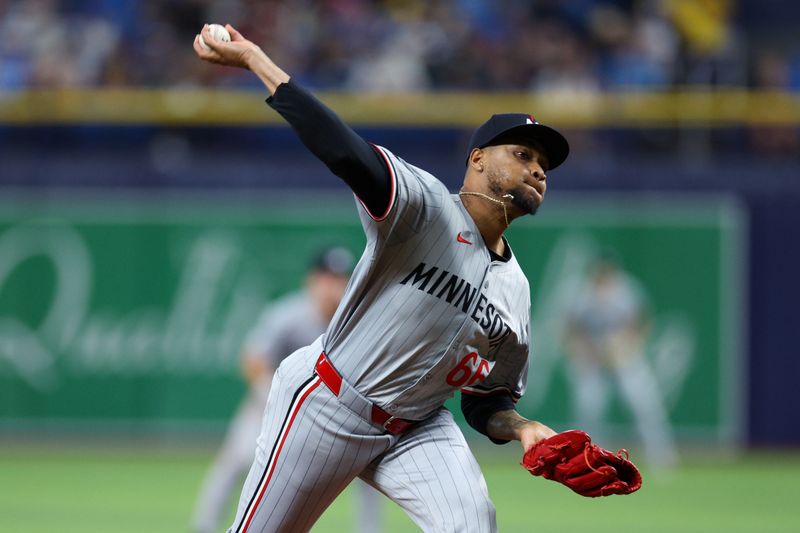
459 238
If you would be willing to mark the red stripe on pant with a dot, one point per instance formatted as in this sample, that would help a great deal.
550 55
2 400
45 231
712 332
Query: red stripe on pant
250 513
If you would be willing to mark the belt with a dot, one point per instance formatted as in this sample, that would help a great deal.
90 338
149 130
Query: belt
331 378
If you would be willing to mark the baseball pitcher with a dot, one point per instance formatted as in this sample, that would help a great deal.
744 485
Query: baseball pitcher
436 304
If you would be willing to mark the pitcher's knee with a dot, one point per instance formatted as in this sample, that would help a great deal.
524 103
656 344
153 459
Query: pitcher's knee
475 514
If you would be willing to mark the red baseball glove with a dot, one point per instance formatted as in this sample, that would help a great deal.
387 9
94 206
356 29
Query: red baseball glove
571 458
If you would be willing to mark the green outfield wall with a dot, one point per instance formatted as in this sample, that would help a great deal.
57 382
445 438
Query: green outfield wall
122 313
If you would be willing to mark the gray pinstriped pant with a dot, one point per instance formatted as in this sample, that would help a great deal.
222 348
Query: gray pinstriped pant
312 446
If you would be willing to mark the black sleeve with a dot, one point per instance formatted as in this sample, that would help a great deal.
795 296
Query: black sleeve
342 150
478 409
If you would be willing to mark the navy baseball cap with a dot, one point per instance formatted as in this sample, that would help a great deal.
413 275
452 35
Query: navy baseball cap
334 260
508 126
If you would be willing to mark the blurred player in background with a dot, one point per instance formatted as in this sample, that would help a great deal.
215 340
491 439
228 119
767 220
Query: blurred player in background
293 321
606 336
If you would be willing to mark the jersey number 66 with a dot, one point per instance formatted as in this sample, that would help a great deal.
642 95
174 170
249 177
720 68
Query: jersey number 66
470 370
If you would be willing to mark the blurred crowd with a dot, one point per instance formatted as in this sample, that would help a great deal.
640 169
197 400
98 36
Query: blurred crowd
402 45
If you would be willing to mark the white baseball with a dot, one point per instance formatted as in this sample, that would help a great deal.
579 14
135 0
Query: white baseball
218 33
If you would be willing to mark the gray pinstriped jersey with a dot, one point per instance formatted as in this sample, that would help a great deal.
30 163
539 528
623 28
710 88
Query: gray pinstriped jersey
427 311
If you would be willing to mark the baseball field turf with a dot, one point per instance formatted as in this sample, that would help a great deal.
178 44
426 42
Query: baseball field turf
104 490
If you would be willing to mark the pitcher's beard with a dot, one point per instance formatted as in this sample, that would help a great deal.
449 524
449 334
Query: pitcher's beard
521 198
524 200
